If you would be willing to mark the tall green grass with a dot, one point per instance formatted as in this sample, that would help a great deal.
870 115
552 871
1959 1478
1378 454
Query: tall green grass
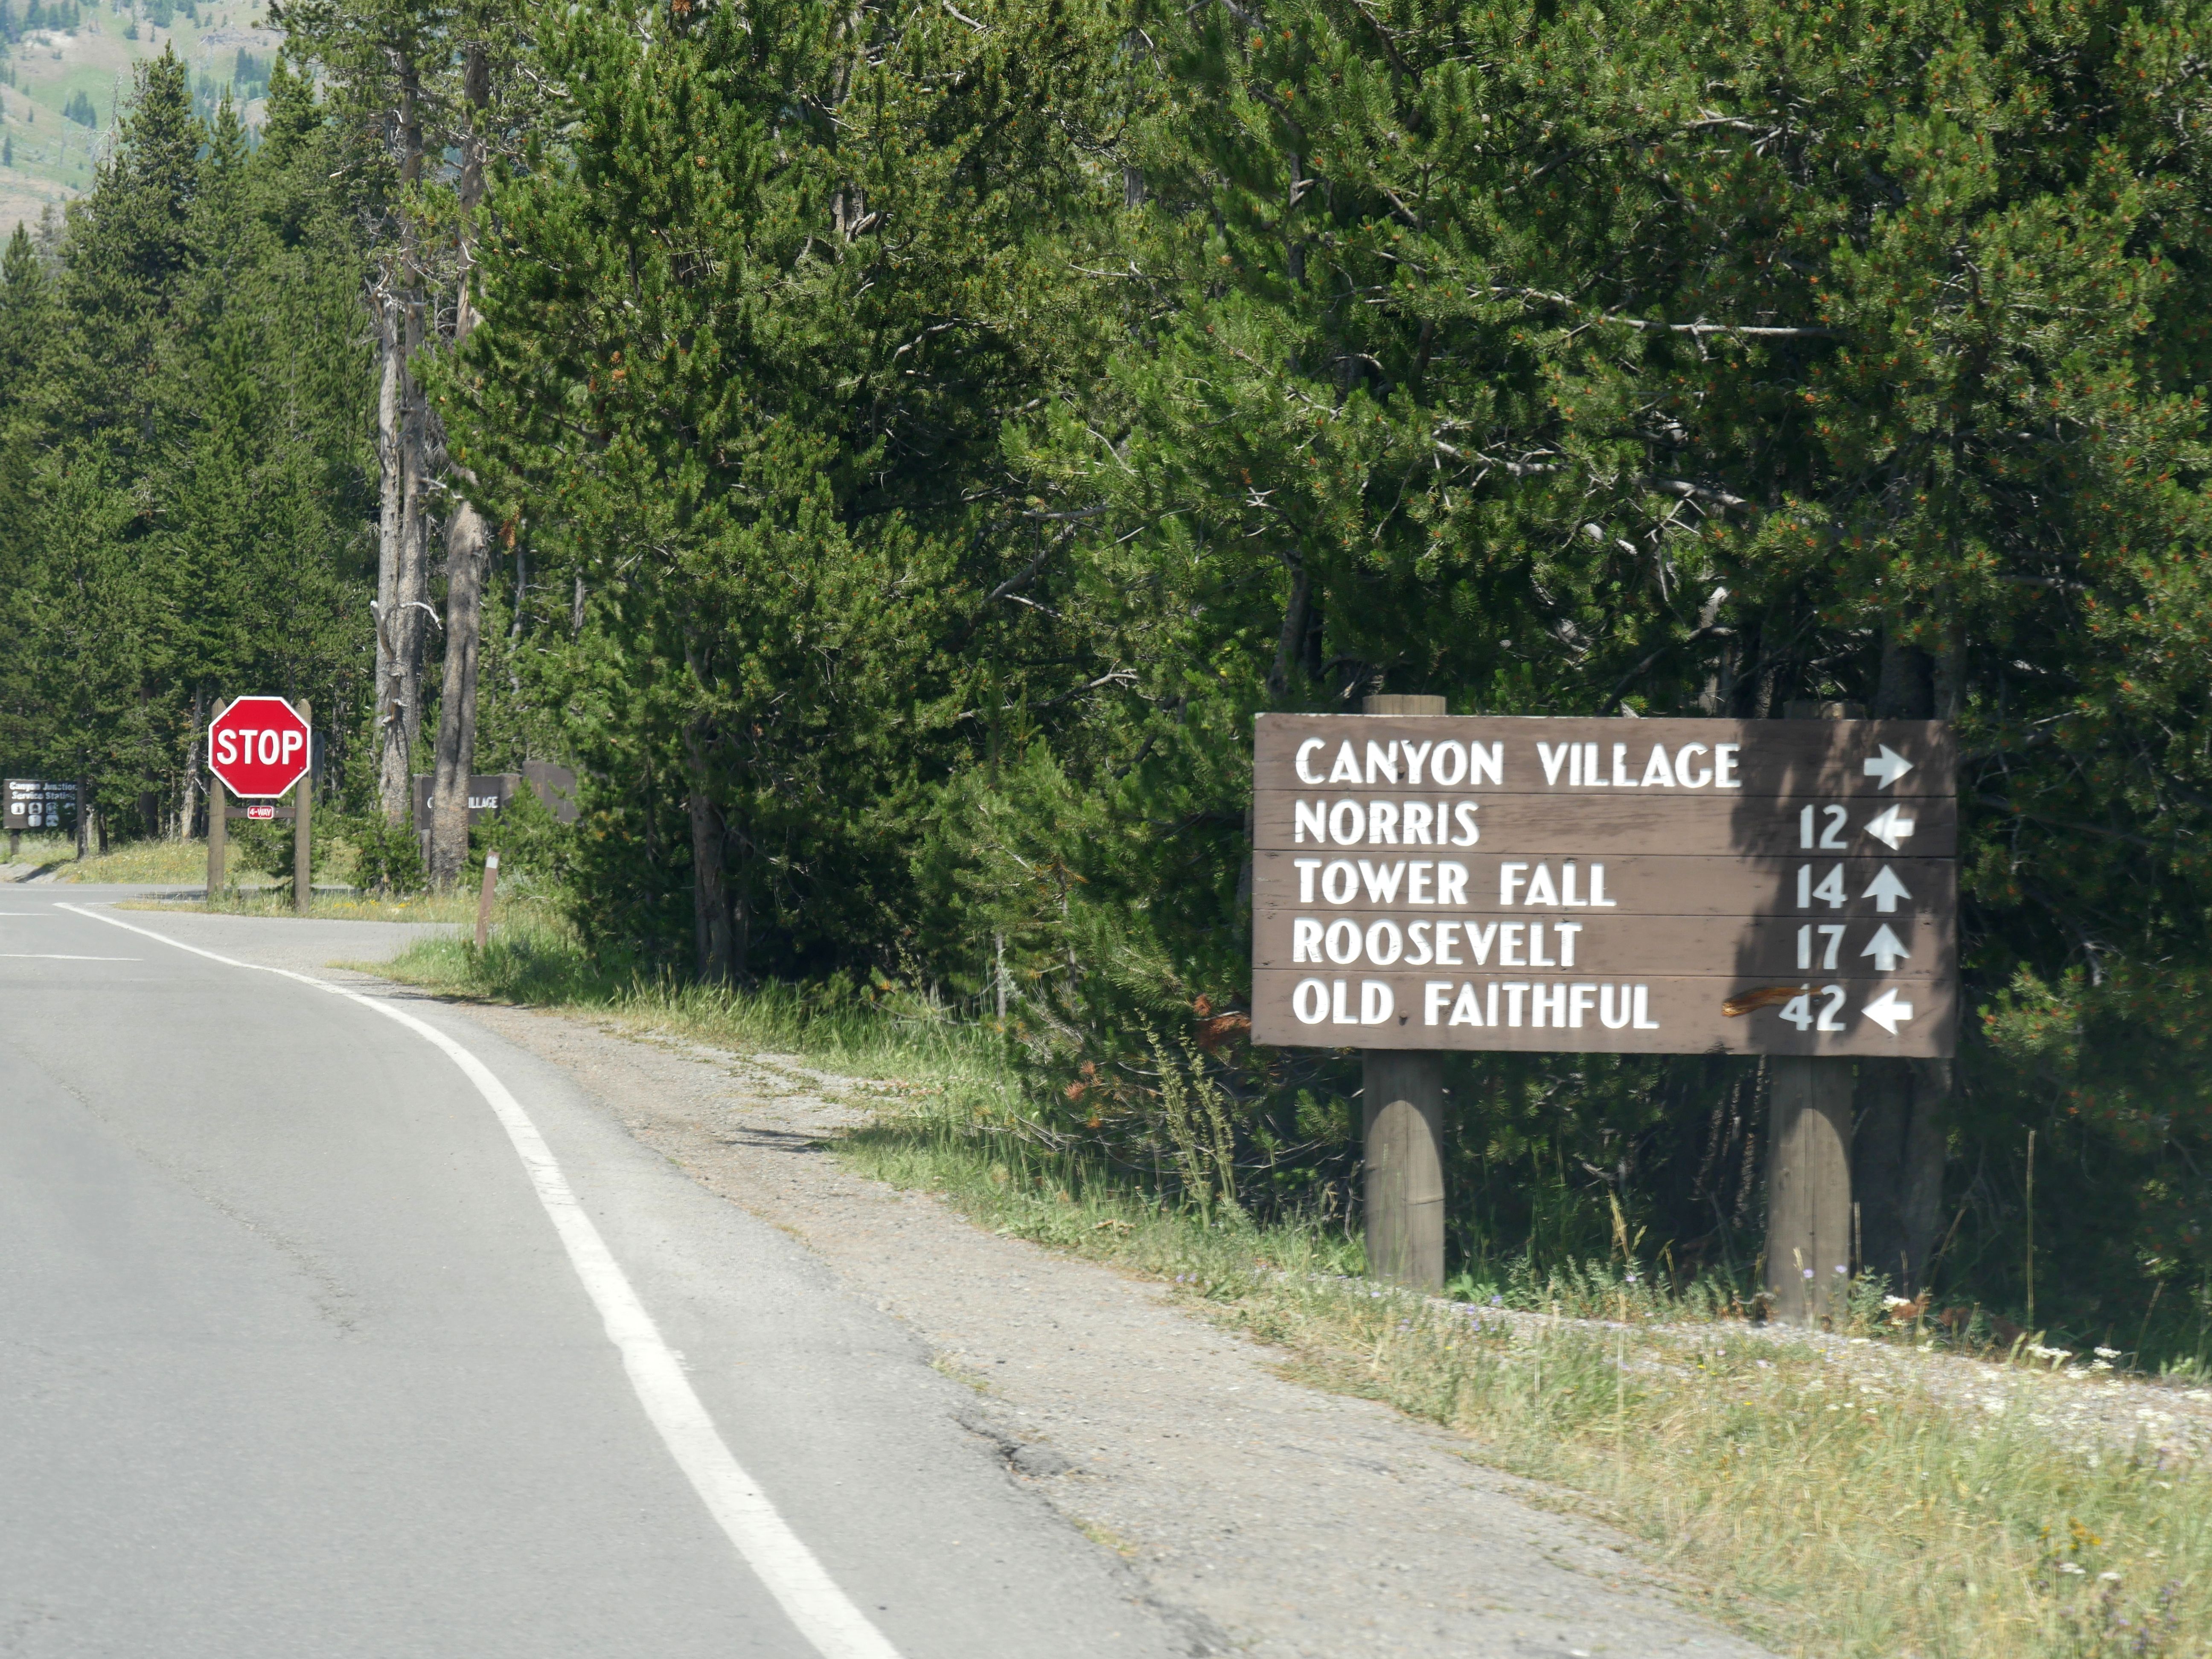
1813 1504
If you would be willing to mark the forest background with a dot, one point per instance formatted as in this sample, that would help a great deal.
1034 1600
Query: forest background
891 451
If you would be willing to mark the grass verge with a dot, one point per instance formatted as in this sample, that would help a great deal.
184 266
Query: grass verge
274 899
1814 1509
131 861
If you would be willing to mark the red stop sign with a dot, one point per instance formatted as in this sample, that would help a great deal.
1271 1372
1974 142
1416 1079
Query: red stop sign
259 747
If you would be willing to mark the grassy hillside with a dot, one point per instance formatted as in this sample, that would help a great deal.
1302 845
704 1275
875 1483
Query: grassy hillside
45 157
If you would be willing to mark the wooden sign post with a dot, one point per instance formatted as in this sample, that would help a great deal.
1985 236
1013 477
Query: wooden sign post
1402 1130
218 810
1424 883
303 816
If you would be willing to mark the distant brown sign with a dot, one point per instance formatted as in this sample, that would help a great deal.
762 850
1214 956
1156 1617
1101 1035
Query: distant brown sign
36 804
1617 885
489 792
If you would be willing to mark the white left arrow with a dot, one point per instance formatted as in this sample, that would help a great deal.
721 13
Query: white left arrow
1887 949
1888 1011
1890 826
1889 766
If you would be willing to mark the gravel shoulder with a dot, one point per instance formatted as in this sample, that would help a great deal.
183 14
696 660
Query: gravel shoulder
1268 1517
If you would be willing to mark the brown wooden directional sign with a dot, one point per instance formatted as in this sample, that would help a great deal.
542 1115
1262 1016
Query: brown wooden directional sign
1622 885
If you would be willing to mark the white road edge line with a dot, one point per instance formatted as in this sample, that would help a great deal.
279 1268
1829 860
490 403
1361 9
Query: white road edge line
824 1614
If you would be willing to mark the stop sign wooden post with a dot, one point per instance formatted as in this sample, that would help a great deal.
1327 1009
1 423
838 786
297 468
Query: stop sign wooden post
260 749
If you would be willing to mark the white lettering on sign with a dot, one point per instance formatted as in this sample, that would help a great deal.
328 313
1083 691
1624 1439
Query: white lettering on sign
1385 944
1584 766
1305 867
1382 881
1305 749
1346 770
1382 764
1830 888
1551 1004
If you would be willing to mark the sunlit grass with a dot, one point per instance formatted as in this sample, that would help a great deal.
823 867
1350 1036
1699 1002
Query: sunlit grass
164 862
1811 1504
276 900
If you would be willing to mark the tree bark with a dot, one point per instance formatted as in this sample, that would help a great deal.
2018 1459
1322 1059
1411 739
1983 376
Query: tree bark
466 545
392 783
1291 647
468 542
403 564
710 881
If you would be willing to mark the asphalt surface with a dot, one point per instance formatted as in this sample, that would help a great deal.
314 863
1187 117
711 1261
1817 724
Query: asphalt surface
294 1361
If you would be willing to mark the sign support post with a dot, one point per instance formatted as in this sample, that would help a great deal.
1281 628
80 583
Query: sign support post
1809 1253
218 799
1403 1124
303 834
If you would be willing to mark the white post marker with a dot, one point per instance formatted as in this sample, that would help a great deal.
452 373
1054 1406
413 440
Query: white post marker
779 1558
483 900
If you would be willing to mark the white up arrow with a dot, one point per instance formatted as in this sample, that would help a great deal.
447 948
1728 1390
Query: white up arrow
1886 1012
1889 766
1887 949
1889 826
1884 890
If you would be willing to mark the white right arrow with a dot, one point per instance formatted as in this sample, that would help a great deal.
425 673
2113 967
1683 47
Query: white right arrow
1889 826
1884 890
1887 949
1889 766
1886 1012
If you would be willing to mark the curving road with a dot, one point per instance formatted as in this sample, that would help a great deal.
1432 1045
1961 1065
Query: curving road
325 1333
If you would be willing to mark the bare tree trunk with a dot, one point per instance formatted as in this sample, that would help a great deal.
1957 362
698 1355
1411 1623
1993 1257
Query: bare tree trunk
188 791
468 541
465 543
403 564
390 686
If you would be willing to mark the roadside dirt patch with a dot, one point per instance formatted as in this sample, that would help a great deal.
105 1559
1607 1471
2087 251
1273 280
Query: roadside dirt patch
1280 1520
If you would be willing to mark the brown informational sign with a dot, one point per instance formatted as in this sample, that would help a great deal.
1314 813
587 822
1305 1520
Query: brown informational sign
35 804
1625 886
489 792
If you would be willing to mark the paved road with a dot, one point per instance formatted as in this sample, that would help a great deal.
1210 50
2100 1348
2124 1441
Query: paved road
298 1359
